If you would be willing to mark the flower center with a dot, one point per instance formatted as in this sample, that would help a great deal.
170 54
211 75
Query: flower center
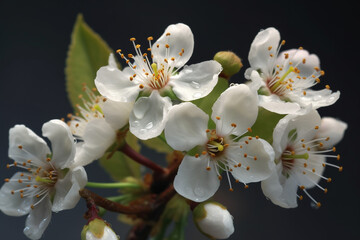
285 77
148 74
37 182
304 160
216 144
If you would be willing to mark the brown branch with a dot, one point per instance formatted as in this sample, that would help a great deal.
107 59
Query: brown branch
114 206
137 157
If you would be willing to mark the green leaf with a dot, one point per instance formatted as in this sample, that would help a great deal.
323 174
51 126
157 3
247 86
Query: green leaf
158 144
87 53
265 124
120 166
175 213
207 102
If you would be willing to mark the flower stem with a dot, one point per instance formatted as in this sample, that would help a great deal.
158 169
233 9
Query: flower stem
113 185
137 157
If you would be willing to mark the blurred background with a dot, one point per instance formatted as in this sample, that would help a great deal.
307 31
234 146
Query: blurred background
34 38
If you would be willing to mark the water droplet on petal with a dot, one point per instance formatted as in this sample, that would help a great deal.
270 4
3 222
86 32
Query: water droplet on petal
149 125
195 85
135 124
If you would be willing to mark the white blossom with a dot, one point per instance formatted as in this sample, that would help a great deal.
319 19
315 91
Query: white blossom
285 78
155 75
248 159
97 123
48 180
300 155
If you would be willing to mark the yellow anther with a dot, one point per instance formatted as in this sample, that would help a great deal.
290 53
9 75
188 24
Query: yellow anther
130 55
269 48
208 168
301 197
132 39
247 168
340 169
150 38
329 180
20 147
167 34
118 51
141 86
327 86
283 42
325 190
245 155
218 118
231 190
302 187
304 61
318 204
316 127
246 186
167 45
203 152
197 155
220 177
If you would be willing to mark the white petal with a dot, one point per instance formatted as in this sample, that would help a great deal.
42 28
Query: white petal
280 190
315 163
149 116
13 204
193 181
38 220
332 128
274 104
259 55
321 98
237 104
297 56
62 143
180 38
117 113
259 169
186 127
196 81
116 85
32 147
98 137
256 81
112 61
67 189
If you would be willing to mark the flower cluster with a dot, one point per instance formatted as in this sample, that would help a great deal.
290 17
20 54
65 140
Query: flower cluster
214 132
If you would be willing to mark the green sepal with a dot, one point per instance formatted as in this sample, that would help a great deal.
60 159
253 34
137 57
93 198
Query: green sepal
175 213
87 53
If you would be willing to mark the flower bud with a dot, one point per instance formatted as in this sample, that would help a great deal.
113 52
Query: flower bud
230 62
213 220
97 229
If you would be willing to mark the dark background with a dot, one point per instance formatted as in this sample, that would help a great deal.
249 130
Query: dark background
34 38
